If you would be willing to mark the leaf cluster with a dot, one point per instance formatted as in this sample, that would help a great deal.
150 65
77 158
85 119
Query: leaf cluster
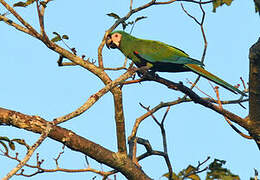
215 171
58 37
218 3
29 2
7 143
125 24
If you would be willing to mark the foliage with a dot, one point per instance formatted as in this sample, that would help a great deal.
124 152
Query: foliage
7 143
23 4
189 172
218 3
125 24
58 37
215 171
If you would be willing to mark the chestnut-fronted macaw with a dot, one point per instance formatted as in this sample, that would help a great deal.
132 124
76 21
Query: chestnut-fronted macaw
161 57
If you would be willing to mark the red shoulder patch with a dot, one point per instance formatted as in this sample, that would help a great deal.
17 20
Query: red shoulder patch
136 52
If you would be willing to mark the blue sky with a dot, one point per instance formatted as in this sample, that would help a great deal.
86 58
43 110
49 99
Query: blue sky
32 83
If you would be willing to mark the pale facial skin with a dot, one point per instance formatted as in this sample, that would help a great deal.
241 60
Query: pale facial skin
114 39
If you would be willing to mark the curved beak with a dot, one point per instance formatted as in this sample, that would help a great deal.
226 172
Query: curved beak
110 43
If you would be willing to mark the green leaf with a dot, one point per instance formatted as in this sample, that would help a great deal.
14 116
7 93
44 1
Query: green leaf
56 38
4 138
139 18
28 2
191 170
24 4
174 176
65 36
218 172
194 177
5 146
114 15
218 3
21 142
44 4
20 4
11 145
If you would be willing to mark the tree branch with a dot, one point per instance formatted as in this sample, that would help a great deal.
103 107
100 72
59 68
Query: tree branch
28 26
95 97
75 142
29 152
16 26
244 122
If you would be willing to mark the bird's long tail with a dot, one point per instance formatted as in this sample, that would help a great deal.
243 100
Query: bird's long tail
201 71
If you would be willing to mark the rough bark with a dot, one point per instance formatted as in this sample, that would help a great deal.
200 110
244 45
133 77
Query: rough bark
36 124
254 91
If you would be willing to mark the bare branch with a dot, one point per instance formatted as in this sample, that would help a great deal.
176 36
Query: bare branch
16 26
28 26
41 20
228 121
74 142
197 169
165 151
29 153
197 99
95 97
118 68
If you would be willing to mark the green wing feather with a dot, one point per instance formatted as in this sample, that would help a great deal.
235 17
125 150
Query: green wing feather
200 71
169 59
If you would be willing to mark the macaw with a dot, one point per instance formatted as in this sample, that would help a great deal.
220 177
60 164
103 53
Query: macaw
161 57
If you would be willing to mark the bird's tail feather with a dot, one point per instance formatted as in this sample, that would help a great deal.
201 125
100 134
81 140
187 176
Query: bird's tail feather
201 71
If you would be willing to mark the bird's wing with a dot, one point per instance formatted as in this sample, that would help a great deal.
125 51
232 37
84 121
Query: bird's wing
175 59
200 71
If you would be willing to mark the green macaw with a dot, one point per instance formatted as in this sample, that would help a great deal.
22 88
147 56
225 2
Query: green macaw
161 57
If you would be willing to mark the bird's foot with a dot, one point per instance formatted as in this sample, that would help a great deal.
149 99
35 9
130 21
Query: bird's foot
146 73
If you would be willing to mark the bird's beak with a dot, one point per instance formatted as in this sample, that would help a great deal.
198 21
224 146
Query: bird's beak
110 43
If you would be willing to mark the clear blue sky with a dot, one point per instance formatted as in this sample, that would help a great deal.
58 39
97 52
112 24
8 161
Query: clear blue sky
32 83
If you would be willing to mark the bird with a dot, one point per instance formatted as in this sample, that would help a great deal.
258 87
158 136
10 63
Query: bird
161 57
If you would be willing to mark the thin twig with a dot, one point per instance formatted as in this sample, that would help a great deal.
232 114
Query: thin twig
28 26
95 97
39 169
29 153
228 121
123 19
197 169
131 5
16 26
203 35
41 20
161 125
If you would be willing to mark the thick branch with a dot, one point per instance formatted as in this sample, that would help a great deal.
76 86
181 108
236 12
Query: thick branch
75 142
197 99
120 121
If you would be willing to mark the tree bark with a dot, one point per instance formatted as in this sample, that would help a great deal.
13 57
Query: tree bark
254 91
36 124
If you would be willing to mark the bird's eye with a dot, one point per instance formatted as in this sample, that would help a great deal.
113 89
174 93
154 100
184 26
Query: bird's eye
116 35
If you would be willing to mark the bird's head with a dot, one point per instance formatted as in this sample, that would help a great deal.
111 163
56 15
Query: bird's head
113 39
